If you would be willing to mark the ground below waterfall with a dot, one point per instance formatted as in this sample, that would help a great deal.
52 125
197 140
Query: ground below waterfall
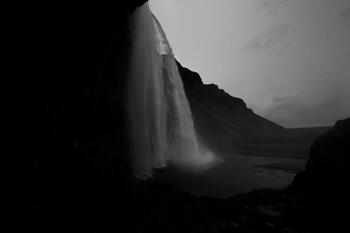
265 210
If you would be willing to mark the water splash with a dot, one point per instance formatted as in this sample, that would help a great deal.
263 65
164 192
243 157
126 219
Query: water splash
162 129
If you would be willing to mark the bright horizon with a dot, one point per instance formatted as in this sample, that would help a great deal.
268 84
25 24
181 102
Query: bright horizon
289 60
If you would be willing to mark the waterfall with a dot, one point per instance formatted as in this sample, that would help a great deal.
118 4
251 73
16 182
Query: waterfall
162 128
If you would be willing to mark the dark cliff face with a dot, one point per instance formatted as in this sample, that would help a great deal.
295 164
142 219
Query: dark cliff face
66 113
223 121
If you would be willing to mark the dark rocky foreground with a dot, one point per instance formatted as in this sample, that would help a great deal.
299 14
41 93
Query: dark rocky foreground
257 211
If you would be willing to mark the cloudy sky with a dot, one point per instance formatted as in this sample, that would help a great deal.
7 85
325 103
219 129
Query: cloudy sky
288 59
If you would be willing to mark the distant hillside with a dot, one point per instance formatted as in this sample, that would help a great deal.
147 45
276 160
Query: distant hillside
307 133
223 121
226 124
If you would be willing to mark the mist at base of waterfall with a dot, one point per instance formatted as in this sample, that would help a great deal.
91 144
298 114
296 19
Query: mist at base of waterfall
234 174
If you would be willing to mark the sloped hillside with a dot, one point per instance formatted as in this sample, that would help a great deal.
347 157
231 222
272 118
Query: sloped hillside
223 121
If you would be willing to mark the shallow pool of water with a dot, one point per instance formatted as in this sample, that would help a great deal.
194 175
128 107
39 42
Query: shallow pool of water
234 174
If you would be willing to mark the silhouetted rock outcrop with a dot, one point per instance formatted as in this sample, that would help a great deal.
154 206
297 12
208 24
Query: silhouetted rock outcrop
325 180
224 121
332 149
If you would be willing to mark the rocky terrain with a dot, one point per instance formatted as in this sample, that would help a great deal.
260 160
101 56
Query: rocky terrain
257 211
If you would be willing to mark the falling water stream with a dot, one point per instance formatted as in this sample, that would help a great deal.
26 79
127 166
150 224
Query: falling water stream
162 128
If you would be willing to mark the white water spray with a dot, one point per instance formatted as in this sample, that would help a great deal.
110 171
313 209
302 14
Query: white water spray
162 128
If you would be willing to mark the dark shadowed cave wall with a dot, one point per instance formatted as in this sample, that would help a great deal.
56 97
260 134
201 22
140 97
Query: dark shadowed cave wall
66 112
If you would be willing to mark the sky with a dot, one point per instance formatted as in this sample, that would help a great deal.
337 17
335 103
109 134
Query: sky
289 60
